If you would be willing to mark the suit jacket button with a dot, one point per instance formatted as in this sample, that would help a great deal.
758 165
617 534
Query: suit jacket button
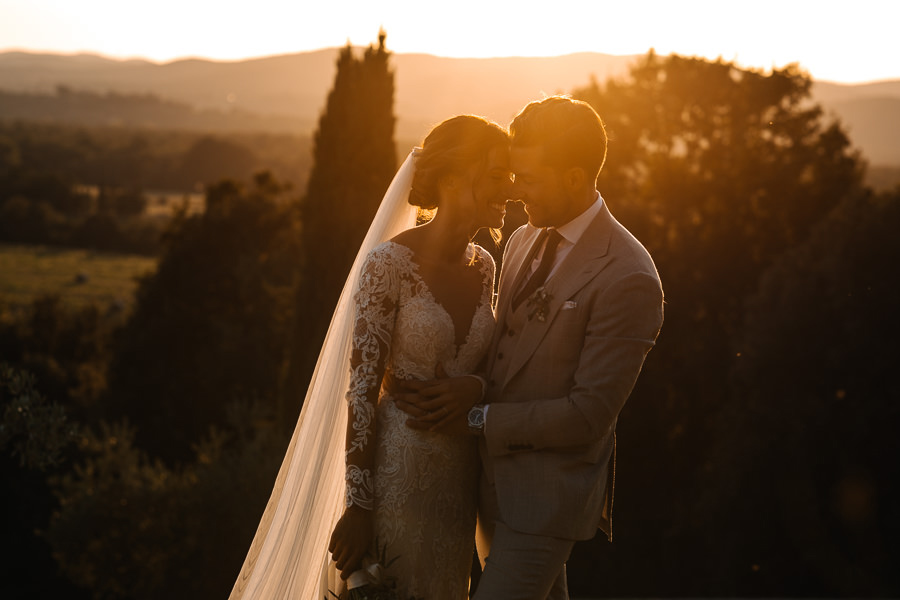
510 333
499 356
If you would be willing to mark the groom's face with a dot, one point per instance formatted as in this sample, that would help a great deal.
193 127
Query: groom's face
539 186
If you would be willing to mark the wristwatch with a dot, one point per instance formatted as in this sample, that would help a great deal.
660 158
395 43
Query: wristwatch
475 419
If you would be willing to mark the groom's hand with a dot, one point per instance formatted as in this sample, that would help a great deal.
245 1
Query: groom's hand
440 404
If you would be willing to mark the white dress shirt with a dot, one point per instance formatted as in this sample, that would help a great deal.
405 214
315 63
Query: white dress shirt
571 233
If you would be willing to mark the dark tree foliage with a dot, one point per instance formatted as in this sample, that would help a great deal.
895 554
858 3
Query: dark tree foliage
120 523
132 527
135 158
121 202
64 349
354 161
33 430
54 190
806 451
211 159
35 435
211 325
68 186
718 170
29 221
719 167
54 374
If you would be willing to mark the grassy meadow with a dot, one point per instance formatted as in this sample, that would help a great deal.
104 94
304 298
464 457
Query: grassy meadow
80 277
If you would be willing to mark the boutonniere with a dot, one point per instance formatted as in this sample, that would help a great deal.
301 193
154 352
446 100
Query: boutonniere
539 303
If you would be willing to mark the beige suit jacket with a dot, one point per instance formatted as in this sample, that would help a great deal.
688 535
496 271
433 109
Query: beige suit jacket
549 440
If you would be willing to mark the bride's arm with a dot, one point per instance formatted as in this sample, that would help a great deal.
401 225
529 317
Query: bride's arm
375 304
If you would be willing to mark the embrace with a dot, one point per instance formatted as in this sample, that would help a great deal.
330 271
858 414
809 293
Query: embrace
441 415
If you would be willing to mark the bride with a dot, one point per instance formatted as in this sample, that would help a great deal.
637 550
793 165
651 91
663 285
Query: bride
418 302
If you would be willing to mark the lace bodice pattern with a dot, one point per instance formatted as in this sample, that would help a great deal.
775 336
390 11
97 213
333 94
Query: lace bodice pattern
422 485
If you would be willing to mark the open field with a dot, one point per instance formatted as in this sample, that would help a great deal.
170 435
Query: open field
79 276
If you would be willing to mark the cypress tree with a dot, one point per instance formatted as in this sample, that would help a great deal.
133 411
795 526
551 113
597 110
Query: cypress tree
355 158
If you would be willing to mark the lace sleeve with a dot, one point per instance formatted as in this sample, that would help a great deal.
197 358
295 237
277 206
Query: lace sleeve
488 273
376 305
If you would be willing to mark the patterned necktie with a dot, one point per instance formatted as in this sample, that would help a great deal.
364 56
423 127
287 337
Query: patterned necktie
537 278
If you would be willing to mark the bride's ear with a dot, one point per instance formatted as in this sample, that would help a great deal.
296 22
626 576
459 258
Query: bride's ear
449 184
450 181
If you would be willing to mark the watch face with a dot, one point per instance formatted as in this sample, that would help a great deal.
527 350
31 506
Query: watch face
476 416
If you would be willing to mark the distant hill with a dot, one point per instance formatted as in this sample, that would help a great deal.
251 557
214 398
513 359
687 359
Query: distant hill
295 86
88 108
289 91
870 113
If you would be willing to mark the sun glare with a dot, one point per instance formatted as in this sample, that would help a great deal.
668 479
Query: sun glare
764 33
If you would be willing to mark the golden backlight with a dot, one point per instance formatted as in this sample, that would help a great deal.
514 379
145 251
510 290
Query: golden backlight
851 45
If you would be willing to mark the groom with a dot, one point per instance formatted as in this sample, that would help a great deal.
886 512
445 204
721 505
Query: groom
580 305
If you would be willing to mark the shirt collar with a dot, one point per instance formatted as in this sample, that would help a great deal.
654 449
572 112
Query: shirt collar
574 229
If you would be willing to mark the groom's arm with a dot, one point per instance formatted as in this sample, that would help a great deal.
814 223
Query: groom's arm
622 328
440 404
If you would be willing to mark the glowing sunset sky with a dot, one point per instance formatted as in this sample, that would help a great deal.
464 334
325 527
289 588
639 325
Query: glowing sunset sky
846 41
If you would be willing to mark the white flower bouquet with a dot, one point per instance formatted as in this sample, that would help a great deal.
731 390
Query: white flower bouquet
372 582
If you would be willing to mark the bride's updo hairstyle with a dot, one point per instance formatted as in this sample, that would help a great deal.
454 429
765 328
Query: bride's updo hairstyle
452 147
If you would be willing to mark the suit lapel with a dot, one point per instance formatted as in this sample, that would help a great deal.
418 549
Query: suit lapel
586 259
519 259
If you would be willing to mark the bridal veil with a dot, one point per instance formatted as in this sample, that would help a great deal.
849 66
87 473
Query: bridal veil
289 554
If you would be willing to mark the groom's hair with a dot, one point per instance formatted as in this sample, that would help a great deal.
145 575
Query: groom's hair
570 132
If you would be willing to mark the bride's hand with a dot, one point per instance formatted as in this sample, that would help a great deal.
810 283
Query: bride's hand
351 540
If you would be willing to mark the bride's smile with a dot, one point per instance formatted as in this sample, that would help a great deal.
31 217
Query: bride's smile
491 190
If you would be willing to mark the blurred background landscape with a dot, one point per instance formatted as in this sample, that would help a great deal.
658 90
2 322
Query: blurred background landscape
284 94
173 237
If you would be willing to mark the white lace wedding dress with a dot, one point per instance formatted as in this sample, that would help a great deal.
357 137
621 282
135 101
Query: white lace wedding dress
425 484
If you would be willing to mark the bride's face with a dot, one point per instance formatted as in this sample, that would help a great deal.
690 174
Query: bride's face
490 189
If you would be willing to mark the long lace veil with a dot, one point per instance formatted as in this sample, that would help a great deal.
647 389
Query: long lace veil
289 554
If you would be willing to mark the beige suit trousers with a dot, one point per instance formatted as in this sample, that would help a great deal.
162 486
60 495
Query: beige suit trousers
517 566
